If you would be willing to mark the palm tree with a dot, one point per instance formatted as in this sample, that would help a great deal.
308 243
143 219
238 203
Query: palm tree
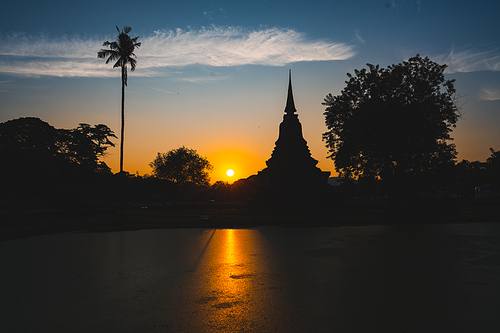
121 50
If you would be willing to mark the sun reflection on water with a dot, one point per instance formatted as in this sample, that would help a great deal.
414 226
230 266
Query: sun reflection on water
234 286
230 253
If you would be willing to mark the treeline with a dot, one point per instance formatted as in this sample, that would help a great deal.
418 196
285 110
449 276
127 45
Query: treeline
44 166
468 176
464 180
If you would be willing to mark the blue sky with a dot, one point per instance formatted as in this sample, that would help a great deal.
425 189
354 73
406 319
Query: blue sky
212 75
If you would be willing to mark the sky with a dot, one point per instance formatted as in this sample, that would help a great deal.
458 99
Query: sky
213 75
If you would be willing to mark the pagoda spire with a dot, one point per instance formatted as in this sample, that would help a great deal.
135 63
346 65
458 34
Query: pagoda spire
290 105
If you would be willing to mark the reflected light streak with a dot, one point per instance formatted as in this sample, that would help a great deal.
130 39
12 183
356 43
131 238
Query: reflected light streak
236 271
234 287
231 258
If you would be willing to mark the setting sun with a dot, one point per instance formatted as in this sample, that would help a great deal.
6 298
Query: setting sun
243 164
230 172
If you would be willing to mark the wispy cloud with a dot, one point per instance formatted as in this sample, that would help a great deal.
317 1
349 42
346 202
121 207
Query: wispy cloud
202 79
358 37
208 14
163 91
214 46
470 61
236 47
489 94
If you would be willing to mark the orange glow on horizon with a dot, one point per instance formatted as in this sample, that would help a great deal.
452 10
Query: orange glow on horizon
243 165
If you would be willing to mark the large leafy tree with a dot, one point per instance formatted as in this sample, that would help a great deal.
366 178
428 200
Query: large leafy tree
30 143
122 53
393 123
38 158
181 166
86 144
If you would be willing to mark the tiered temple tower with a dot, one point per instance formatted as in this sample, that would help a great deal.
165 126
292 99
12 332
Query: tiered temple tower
291 176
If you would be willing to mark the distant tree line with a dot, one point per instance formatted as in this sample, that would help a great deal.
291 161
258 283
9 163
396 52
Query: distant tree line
468 175
43 165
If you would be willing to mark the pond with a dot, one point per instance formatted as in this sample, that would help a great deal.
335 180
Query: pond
346 279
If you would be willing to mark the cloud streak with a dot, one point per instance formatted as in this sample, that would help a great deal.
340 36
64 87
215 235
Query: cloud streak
214 46
489 94
470 61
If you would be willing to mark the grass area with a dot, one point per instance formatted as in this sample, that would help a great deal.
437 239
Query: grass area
230 216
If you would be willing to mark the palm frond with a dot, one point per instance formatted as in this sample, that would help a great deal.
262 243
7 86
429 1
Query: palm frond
102 53
133 63
107 53
121 51
115 46
111 58
118 63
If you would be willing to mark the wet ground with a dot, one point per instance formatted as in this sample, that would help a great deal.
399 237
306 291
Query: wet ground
350 279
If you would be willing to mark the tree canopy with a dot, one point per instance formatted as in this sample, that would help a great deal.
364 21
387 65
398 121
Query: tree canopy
393 123
181 166
40 161
121 51
30 143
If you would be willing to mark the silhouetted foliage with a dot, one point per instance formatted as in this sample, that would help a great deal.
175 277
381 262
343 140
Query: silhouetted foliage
85 144
239 192
467 175
393 124
493 168
181 166
38 159
121 51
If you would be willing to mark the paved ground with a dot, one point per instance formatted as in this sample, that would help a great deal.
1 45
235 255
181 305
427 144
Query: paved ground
350 279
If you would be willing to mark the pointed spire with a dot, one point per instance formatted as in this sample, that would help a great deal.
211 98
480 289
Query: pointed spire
290 105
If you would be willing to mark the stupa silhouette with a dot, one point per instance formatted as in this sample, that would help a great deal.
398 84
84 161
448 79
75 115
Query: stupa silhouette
291 177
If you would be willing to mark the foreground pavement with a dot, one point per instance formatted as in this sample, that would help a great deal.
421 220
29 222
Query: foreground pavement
349 279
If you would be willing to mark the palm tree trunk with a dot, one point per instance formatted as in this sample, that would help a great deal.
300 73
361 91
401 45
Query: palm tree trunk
121 145
123 119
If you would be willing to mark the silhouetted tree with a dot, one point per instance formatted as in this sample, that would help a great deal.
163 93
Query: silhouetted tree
181 166
85 144
240 191
393 124
29 151
467 176
220 191
38 159
493 168
121 51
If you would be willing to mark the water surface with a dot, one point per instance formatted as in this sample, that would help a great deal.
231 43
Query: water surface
385 278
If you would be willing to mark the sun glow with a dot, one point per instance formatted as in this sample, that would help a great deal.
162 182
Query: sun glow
230 172
243 165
